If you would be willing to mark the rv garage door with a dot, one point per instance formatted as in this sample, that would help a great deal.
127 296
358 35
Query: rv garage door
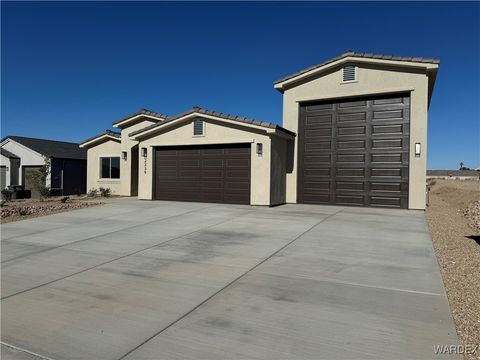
213 173
354 152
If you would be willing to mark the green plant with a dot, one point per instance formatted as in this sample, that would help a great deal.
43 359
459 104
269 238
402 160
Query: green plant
92 192
38 179
105 192
7 194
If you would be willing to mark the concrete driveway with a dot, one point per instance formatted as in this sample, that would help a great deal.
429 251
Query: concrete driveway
167 280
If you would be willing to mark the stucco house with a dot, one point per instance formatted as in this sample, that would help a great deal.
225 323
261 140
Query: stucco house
21 155
354 133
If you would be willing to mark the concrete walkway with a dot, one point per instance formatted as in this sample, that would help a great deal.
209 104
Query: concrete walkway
167 280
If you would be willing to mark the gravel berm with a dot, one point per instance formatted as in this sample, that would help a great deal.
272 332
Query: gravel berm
454 218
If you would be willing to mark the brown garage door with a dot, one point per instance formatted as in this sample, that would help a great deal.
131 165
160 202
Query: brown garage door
355 152
213 173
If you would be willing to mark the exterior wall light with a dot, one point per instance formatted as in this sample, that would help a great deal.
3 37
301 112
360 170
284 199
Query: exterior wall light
144 152
124 155
259 149
418 149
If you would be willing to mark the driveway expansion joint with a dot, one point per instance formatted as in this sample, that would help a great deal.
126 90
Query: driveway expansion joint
104 234
123 256
19 349
229 284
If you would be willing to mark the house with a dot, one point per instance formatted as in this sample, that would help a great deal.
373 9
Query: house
22 155
354 133
453 174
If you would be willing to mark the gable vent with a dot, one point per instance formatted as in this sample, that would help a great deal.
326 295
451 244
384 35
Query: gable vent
198 127
349 73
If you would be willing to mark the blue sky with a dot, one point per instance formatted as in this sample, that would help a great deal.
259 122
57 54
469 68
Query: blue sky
71 68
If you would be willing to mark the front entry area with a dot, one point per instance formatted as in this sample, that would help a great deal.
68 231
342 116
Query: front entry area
355 152
206 173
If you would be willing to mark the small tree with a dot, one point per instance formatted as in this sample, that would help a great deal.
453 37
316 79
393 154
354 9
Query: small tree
38 179
463 167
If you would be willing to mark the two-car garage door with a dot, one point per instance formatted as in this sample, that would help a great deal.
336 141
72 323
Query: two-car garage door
354 152
207 173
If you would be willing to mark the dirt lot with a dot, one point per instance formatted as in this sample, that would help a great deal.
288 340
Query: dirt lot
28 208
454 220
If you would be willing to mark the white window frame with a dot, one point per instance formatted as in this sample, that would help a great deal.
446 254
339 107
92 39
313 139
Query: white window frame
100 167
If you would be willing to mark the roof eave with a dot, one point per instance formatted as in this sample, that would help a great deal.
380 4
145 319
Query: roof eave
136 135
282 84
90 142
124 122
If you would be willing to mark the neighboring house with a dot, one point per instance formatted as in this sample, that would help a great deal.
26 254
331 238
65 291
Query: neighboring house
9 165
68 173
454 174
354 133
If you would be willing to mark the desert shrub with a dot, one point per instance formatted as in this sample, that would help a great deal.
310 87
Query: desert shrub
64 199
92 192
105 192
22 211
7 194
432 182
38 179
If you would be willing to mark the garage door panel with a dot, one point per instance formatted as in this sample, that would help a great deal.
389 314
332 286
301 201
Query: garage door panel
318 107
347 199
350 104
313 146
365 160
386 158
350 172
386 201
387 143
351 130
318 160
319 120
351 144
353 116
345 158
320 172
354 186
212 173
387 114
314 133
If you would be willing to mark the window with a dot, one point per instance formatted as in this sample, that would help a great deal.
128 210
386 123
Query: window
110 167
198 127
349 73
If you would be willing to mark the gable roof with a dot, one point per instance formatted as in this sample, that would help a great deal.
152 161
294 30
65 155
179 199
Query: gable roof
8 154
107 134
406 59
199 111
142 113
52 148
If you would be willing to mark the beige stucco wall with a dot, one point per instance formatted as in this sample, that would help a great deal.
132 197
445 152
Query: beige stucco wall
103 149
215 133
125 165
370 81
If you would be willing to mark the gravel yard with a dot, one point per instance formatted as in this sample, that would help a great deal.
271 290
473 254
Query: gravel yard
454 221
16 210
